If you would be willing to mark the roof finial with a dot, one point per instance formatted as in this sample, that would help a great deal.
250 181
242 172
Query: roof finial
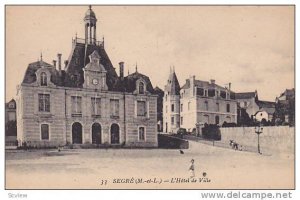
76 35
41 57
173 69
136 67
90 7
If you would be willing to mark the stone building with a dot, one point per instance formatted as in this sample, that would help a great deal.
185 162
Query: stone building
171 104
285 108
253 108
10 123
10 111
86 102
265 112
197 103
160 97
204 102
247 101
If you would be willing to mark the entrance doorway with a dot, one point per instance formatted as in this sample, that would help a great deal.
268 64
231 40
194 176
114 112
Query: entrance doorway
96 133
77 133
115 134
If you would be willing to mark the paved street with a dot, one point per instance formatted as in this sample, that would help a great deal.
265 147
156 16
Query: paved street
86 168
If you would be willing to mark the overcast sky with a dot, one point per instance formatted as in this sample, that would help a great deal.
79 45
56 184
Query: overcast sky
252 47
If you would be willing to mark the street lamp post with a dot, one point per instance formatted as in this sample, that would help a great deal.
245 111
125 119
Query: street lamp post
258 131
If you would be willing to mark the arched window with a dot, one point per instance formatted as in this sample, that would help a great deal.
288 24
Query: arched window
43 79
141 88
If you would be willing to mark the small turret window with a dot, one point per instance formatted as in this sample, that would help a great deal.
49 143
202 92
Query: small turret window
141 88
43 79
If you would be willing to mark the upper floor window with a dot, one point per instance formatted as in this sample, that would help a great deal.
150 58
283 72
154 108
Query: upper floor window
211 92
44 131
228 107
181 120
200 91
223 94
43 79
76 102
141 108
11 105
181 107
206 105
114 107
217 107
172 107
44 102
172 120
96 106
141 88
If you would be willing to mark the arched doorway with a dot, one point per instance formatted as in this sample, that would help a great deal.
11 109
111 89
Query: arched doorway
77 133
96 133
115 134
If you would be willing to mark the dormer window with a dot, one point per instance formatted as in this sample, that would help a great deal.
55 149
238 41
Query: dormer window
43 79
141 88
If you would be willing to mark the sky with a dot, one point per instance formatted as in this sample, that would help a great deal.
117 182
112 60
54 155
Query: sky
252 47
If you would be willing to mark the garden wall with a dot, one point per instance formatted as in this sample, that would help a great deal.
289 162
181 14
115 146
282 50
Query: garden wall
273 139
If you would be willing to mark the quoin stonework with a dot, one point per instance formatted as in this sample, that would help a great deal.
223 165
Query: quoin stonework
85 101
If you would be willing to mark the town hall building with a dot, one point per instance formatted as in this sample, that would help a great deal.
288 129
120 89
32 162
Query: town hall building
86 102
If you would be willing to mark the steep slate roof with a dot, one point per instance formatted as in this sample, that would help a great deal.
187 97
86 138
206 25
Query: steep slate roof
128 83
11 101
158 91
245 95
72 75
173 86
203 84
78 59
265 104
288 93
30 76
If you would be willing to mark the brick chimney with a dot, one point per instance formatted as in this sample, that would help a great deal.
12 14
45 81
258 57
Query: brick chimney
59 61
54 63
121 65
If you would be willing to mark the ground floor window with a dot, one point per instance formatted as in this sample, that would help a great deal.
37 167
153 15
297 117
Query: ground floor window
44 131
142 133
217 119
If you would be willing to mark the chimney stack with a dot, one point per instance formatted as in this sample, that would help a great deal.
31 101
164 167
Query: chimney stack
229 85
54 63
66 63
121 64
212 81
192 84
59 61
